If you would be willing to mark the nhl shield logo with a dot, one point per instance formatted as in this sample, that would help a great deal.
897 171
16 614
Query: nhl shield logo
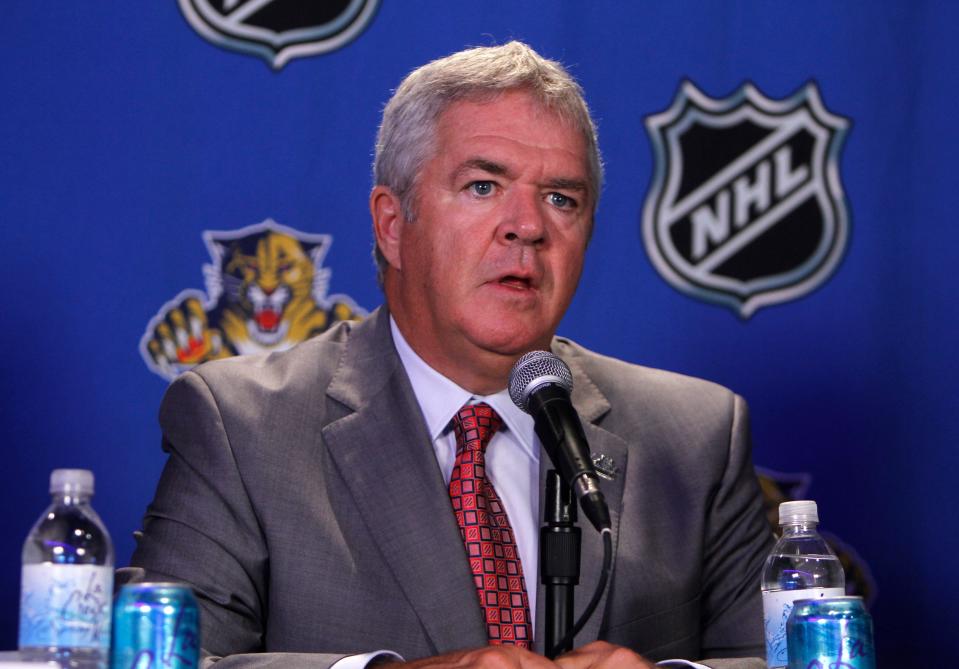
279 30
746 208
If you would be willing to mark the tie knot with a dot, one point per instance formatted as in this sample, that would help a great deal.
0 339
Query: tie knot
474 426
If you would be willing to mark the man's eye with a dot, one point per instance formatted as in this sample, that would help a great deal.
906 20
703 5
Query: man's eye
562 201
482 188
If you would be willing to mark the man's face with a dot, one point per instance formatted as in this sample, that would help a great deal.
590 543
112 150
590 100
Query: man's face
503 215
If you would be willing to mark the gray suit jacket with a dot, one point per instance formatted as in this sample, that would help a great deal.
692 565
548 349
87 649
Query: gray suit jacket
303 502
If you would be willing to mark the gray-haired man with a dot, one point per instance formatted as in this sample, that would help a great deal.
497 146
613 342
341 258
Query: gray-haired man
375 488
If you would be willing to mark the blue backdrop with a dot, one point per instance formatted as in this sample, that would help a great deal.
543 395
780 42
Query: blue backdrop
124 135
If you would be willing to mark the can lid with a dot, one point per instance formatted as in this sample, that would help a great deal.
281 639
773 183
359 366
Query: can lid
801 511
75 481
156 585
844 607
837 599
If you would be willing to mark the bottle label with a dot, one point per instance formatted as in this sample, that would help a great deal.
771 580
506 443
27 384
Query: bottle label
65 605
777 605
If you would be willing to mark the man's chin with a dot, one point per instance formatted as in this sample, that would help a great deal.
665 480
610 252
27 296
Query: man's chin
512 342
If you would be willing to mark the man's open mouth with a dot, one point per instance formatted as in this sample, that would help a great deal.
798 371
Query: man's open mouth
519 282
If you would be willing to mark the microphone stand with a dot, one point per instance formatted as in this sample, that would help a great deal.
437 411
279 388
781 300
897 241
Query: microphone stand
559 554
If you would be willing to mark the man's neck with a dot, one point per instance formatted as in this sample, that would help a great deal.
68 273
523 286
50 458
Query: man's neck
479 371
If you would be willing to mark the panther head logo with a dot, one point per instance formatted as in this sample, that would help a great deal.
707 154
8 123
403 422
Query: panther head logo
266 291
266 277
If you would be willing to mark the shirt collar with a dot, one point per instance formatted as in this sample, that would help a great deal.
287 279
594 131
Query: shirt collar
440 398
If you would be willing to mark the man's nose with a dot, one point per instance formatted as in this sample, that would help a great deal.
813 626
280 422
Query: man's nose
524 219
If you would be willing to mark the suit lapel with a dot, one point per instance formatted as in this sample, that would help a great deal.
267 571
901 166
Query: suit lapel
398 488
591 405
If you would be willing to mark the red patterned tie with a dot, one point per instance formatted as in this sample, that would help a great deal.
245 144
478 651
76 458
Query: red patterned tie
486 531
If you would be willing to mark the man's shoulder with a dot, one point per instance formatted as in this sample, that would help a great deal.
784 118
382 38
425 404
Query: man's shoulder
615 378
306 363
344 362
677 415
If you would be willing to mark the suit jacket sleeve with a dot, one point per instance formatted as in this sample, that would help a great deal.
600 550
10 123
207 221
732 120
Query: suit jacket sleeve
201 529
737 540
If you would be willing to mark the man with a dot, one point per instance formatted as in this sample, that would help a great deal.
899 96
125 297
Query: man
302 498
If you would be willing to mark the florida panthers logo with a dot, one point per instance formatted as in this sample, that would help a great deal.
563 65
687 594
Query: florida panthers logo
266 290
746 208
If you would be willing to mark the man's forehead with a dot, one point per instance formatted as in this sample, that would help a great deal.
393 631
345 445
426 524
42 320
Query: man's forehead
475 132
524 104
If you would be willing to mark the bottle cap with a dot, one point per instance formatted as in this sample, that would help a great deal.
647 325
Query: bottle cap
75 481
802 511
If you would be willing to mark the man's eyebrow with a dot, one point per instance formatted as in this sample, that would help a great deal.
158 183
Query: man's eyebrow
497 169
567 184
482 164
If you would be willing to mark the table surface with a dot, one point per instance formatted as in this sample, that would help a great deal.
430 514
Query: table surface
10 659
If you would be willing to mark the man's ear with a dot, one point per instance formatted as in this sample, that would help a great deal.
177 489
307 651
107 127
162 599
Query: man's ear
388 223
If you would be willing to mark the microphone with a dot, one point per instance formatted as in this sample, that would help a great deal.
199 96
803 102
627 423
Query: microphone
540 384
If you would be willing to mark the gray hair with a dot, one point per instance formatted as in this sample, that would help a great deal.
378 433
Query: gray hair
406 137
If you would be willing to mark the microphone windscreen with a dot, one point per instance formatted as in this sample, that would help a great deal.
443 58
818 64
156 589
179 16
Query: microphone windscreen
534 370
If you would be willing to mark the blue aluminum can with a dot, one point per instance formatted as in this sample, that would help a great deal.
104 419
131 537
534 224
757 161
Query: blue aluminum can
155 626
831 633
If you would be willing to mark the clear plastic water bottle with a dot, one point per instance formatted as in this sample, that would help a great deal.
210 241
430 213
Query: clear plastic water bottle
67 579
801 566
